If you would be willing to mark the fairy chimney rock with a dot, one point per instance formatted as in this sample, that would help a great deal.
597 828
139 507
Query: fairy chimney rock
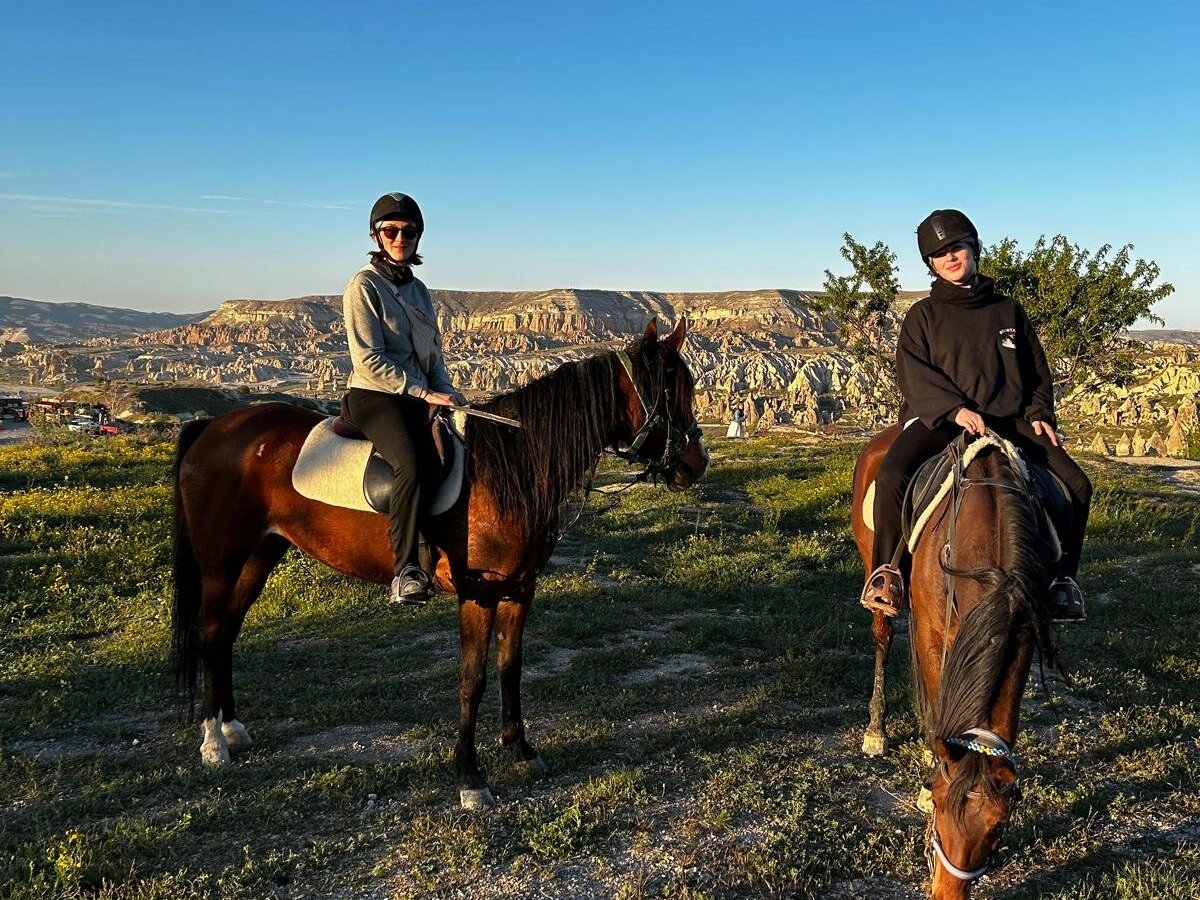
1100 446
1138 444
1124 446
1177 444
1156 446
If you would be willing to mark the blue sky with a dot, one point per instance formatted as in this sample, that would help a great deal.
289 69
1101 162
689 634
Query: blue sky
162 158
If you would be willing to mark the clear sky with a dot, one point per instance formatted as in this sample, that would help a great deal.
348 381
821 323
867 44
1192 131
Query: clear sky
167 156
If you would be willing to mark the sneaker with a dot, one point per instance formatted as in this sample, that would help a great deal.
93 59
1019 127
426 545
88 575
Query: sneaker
884 591
411 587
1066 601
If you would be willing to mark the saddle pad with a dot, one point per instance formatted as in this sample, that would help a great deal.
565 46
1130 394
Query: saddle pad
330 469
935 478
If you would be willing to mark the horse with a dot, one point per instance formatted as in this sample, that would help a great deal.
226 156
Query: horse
236 513
979 610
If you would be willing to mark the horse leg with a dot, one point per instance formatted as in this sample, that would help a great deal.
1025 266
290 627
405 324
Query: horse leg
875 739
510 628
475 623
221 615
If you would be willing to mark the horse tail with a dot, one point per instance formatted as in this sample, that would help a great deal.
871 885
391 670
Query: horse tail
185 608
1012 611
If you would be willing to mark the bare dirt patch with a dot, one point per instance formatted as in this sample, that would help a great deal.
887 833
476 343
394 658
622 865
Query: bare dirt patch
361 743
676 666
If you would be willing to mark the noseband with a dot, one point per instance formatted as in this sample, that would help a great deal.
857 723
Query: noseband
987 743
678 437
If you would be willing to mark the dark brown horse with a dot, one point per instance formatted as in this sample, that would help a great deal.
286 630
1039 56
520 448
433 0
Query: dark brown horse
236 513
978 596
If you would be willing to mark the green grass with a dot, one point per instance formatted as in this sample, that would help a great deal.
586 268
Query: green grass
697 674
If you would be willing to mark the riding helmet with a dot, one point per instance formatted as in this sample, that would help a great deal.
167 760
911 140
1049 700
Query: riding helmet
944 227
399 207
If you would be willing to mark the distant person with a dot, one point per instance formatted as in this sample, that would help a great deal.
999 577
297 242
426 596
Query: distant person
969 359
737 425
399 373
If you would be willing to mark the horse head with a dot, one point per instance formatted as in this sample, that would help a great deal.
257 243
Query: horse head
973 791
659 420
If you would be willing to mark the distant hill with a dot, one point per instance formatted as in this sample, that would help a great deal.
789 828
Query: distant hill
1165 335
39 322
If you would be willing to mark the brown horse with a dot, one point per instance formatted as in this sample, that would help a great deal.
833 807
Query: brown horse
978 595
236 513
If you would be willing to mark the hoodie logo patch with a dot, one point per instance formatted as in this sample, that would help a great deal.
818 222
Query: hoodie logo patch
1008 338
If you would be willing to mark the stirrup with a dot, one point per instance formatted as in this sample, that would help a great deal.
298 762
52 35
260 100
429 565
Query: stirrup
1066 601
884 591
411 587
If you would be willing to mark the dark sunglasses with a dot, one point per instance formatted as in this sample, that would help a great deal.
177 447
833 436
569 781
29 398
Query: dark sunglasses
391 231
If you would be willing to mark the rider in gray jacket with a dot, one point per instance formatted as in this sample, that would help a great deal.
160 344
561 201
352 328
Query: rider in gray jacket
399 373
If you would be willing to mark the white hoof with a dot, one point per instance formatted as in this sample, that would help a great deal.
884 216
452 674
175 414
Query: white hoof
480 798
236 735
925 801
213 749
874 744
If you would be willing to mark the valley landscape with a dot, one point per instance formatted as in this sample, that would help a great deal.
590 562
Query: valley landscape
764 352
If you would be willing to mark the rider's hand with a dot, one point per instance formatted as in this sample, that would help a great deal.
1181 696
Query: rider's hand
437 398
971 421
1045 429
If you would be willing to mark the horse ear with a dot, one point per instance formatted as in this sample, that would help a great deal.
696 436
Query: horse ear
650 335
947 751
675 338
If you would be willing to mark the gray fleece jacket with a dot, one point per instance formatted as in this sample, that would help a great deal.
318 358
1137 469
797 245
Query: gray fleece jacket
395 346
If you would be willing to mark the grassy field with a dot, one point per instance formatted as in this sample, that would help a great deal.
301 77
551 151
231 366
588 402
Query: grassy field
697 678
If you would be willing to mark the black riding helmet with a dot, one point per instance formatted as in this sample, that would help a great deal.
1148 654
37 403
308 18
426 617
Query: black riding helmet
397 206
944 227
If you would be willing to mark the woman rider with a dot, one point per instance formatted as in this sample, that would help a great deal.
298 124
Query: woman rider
969 359
399 372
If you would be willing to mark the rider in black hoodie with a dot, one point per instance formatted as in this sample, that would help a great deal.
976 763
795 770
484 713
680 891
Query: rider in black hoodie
969 358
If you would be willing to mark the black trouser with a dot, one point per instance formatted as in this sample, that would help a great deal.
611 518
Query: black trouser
398 426
918 443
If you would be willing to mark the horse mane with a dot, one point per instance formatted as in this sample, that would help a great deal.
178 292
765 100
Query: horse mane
1013 610
566 417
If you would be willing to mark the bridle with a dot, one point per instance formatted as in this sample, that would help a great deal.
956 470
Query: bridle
678 436
987 743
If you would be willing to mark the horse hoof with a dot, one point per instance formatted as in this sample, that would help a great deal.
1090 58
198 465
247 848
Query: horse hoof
537 765
874 744
479 798
236 735
214 755
213 749
925 801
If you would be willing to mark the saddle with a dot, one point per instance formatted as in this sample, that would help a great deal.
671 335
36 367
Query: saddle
934 480
338 465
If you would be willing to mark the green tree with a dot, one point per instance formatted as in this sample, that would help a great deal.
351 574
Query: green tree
863 306
1080 302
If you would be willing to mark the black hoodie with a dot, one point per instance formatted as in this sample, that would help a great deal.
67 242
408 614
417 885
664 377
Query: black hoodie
966 345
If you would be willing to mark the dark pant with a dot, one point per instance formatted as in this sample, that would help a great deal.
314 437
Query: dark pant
918 443
398 426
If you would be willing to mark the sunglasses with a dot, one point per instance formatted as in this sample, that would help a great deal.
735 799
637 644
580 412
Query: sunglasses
391 231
